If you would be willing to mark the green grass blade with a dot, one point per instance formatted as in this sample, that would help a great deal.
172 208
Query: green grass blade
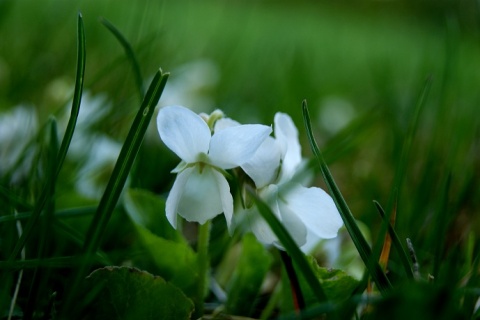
77 94
402 164
118 178
290 246
358 239
129 53
45 240
54 262
396 243
442 220
65 142
9 196
60 214
125 161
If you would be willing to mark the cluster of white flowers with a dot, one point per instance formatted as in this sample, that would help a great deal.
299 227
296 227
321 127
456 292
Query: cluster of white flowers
208 145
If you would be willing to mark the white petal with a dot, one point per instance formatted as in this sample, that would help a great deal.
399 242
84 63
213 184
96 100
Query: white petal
201 199
184 132
225 197
175 195
223 123
259 227
289 219
257 223
315 208
294 225
287 135
233 146
264 166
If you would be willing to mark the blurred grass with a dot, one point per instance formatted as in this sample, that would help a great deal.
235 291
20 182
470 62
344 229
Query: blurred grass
368 58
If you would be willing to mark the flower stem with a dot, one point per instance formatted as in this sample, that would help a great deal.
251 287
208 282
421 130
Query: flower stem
203 266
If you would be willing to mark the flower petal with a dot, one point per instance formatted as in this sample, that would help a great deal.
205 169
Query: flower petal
259 227
289 219
223 123
225 197
201 199
287 135
294 225
233 146
264 166
184 132
315 208
257 223
175 195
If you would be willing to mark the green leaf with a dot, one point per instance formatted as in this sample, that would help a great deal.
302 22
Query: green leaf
358 239
337 284
174 261
148 210
243 288
128 293
162 248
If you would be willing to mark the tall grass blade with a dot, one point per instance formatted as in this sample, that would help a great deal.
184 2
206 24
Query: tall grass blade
396 243
441 225
403 162
67 138
358 239
290 246
60 214
130 55
118 178
40 277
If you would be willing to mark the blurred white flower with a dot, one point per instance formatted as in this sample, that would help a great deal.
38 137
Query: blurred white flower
200 191
93 176
95 151
190 85
309 214
335 113
17 128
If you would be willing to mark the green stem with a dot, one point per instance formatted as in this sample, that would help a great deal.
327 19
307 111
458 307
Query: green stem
203 266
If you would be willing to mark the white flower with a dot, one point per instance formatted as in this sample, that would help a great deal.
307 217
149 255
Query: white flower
307 213
200 191
17 128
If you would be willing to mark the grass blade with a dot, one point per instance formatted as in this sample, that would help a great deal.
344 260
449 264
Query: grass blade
125 161
129 53
118 178
402 164
358 239
290 246
396 243
67 138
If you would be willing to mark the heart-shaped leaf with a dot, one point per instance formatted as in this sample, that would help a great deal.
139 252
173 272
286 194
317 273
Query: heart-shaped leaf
128 293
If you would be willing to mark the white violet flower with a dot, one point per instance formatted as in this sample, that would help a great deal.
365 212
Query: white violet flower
308 214
200 191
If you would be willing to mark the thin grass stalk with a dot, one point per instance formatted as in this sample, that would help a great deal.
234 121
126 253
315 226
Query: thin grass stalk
67 138
130 56
397 244
402 168
40 277
20 276
358 239
118 178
